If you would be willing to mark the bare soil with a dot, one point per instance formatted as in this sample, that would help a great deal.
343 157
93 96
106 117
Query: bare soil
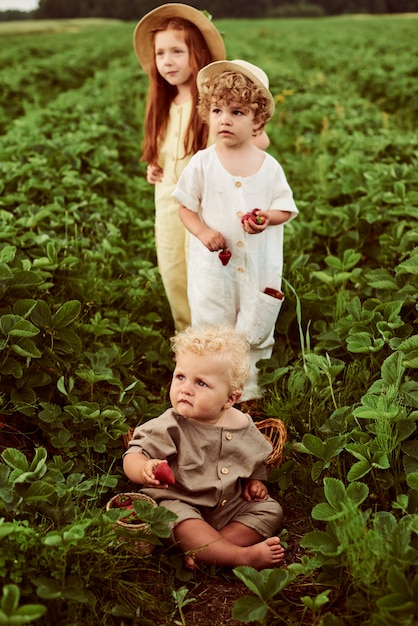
216 592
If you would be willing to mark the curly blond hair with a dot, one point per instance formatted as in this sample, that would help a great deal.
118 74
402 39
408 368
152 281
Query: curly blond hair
232 87
222 341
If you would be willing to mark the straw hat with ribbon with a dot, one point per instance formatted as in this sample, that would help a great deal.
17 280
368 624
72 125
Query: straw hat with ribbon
254 73
143 44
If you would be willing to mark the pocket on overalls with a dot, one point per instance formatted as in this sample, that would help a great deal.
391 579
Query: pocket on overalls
256 321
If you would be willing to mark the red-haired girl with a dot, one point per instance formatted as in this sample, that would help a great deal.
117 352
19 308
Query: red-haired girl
172 43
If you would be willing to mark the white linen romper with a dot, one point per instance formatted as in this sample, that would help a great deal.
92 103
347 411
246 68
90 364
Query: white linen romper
233 295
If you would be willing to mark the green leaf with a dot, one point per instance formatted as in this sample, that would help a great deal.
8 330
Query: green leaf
253 579
10 599
48 589
410 266
6 529
325 512
26 278
317 469
28 613
411 448
412 480
334 492
38 460
41 315
314 445
67 341
317 602
249 609
381 279
16 326
11 367
15 459
362 342
6 273
320 541
357 493
409 344
398 582
66 314
7 254
26 348
358 470
392 369
39 491
53 539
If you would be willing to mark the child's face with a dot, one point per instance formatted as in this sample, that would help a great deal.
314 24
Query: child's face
172 57
200 388
231 125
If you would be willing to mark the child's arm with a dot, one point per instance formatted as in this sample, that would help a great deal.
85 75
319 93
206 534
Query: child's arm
272 218
261 141
212 239
139 469
254 489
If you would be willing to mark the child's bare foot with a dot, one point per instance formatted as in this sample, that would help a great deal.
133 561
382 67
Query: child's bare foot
267 553
262 555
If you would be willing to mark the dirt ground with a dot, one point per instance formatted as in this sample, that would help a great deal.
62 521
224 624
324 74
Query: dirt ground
216 593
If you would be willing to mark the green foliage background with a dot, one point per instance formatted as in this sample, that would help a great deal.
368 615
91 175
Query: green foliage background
135 9
84 323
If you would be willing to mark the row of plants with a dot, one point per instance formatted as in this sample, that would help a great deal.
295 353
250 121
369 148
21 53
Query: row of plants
84 325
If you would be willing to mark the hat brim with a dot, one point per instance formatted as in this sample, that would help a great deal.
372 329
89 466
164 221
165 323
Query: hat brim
143 44
217 67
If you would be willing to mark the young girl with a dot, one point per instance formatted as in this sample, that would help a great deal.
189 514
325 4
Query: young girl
172 43
218 190
224 513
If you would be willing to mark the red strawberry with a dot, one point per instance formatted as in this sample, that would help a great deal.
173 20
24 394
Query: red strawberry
122 501
254 217
131 515
225 255
274 293
164 474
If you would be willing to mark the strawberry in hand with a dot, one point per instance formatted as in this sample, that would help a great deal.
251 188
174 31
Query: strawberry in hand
253 217
225 256
164 474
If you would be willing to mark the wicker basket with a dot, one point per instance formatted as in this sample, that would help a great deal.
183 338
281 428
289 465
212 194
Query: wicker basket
274 430
139 546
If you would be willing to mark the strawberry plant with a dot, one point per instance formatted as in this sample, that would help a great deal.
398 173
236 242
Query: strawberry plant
84 325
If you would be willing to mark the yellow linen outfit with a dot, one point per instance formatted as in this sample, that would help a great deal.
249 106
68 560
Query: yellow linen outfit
210 464
170 234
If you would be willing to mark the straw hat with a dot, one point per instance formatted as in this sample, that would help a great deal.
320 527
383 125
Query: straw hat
254 73
143 45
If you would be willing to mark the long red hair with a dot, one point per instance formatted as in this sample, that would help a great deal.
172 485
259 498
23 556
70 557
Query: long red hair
161 95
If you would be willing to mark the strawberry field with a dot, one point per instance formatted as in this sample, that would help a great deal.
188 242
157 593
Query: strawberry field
84 329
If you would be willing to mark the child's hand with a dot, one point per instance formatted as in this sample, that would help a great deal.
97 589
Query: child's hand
154 174
252 227
148 477
212 239
255 490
